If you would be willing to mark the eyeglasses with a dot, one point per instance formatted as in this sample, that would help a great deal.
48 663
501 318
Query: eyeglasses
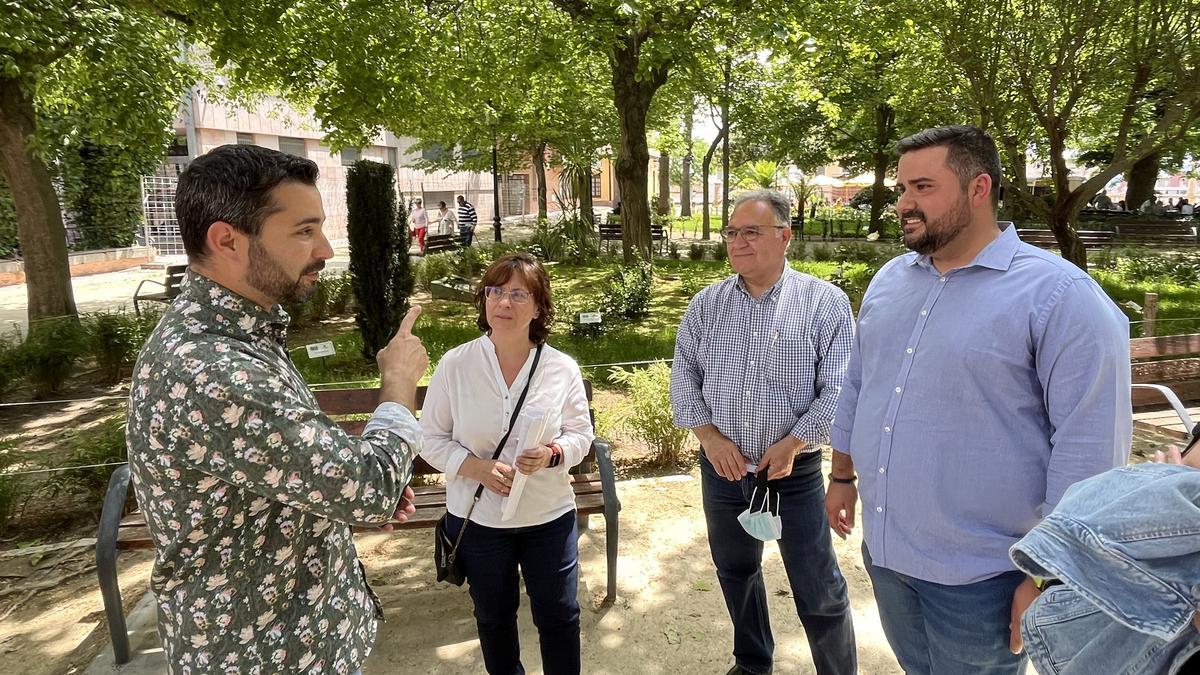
749 233
516 295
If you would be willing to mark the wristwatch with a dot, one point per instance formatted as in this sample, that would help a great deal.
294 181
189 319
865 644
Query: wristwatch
844 481
556 454
1042 583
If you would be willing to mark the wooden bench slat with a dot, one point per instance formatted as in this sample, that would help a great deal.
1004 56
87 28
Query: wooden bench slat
1167 345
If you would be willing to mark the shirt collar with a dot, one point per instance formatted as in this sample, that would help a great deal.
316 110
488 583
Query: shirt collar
997 255
773 292
232 314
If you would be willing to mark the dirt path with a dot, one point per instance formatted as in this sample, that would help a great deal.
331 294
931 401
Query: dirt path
669 617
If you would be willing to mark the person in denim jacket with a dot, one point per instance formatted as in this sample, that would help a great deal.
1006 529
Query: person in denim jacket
1124 549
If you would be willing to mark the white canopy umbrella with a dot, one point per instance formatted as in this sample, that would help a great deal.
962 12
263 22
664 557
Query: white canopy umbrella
826 181
869 179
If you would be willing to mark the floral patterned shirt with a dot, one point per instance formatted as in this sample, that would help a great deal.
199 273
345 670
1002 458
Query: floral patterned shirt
250 491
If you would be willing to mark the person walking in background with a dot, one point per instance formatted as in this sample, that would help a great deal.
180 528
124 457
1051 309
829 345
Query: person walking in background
446 220
471 407
467 219
419 219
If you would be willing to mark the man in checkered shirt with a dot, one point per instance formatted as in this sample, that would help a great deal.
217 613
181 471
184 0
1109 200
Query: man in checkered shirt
759 362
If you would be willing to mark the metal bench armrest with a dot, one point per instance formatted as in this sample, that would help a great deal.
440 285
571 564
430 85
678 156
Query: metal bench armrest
608 478
106 560
1172 399
137 293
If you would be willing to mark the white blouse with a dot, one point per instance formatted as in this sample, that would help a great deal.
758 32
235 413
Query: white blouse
467 410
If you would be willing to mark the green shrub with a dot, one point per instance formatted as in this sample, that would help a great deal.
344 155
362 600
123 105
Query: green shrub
550 243
673 250
691 283
863 197
720 252
628 291
796 249
567 310
116 339
103 444
434 267
377 227
10 487
649 415
10 247
11 365
331 297
51 352
822 253
695 252
874 255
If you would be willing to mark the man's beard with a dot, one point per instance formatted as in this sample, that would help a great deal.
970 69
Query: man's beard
940 232
269 278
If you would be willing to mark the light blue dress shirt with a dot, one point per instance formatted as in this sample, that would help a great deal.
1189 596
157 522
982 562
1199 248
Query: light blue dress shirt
761 368
974 399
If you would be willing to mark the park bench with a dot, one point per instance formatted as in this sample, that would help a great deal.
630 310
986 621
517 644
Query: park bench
1156 233
593 480
1169 360
171 288
441 243
1045 238
610 230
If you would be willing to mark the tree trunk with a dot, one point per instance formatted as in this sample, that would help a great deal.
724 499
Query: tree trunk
39 217
725 143
632 94
1142 178
705 171
664 183
885 117
1018 184
1062 222
539 170
685 181
584 189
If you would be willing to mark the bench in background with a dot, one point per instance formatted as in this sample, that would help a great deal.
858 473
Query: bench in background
171 288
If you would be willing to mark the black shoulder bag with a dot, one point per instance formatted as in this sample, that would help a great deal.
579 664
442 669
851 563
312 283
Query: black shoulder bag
445 552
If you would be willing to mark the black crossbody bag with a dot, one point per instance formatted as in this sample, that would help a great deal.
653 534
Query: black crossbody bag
445 552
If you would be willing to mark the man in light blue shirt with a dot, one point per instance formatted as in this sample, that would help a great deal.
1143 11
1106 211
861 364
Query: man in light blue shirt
759 361
987 377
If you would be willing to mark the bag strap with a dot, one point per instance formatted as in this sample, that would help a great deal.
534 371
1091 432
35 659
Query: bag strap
512 422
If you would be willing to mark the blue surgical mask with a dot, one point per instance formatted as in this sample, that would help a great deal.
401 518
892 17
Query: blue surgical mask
762 524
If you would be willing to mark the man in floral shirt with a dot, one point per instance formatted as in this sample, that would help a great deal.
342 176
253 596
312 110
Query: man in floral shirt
249 491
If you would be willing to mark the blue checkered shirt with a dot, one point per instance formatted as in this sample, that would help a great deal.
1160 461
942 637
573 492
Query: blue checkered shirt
761 368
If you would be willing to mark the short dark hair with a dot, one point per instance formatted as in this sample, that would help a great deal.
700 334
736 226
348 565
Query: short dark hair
970 151
535 278
233 184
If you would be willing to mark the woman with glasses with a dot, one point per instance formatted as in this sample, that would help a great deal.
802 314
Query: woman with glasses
468 410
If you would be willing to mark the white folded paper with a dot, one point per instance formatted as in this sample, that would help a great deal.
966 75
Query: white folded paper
532 426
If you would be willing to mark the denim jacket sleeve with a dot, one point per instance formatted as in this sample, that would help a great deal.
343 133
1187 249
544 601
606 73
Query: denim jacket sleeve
1128 540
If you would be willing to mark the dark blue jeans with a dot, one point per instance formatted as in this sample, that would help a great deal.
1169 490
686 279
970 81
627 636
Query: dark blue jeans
818 588
935 629
468 235
548 558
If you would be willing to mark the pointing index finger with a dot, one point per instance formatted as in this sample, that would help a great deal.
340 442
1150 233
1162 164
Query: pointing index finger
409 320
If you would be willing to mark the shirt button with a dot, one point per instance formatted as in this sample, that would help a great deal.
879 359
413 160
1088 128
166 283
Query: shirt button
909 350
745 424
878 509
924 312
747 393
942 279
882 470
751 363
755 333
897 390
887 430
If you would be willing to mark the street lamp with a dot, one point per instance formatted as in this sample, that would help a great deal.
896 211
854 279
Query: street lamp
491 115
